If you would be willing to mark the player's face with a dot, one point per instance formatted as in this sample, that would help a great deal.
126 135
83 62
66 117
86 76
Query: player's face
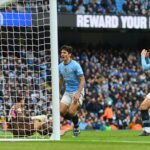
65 55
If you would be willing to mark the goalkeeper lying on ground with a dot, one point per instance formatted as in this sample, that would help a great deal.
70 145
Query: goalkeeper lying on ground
21 125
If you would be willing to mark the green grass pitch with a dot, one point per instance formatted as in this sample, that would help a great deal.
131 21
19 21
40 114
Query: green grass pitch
87 140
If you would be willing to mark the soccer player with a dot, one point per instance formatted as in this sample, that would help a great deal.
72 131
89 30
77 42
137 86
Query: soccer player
145 105
71 74
18 123
17 110
22 125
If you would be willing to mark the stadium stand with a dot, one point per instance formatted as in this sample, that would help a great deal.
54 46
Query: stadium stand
95 7
118 85
115 83
118 88
27 6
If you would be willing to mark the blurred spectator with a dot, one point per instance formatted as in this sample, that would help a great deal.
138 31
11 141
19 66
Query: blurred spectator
114 82
27 6
108 113
94 7
111 7
26 72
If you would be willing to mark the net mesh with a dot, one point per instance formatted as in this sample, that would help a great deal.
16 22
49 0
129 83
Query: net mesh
25 69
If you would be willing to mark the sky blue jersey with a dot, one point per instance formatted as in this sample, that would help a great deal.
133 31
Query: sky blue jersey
145 65
70 74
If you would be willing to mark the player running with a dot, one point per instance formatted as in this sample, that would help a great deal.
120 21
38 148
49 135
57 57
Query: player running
72 76
145 105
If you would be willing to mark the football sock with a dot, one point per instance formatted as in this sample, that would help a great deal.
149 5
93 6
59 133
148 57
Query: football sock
67 116
145 115
75 121
145 120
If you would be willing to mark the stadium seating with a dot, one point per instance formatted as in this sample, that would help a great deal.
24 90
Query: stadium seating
123 7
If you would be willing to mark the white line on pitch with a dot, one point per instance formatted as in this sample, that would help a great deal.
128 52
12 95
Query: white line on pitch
107 141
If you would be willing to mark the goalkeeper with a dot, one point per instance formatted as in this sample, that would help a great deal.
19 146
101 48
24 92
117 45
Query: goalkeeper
22 125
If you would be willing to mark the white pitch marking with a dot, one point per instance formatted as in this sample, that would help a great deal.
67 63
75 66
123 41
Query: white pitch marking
107 141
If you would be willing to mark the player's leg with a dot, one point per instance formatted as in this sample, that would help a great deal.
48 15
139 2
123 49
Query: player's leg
64 105
45 129
73 112
42 118
66 102
144 107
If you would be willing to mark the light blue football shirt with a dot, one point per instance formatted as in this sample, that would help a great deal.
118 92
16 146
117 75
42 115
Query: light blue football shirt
70 74
145 66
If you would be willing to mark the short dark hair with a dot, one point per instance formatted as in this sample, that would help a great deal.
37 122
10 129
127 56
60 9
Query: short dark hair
67 48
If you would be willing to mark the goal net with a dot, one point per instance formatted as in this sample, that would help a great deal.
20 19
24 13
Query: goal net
26 75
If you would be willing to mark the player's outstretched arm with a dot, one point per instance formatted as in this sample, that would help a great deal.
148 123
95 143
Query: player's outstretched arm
144 55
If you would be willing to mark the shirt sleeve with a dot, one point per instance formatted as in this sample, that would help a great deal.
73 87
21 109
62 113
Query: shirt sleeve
145 66
79 70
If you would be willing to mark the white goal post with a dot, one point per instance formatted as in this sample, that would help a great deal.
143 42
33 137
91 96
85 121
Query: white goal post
29 79
54 59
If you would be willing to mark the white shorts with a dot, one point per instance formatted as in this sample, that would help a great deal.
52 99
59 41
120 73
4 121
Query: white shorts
148 96
67 98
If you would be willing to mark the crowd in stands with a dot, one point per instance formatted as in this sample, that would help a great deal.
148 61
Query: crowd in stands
27 6
115 82
25 73
115 85
105 7
88 7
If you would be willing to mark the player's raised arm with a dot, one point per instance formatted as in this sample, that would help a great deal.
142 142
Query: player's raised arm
145 105
144 55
